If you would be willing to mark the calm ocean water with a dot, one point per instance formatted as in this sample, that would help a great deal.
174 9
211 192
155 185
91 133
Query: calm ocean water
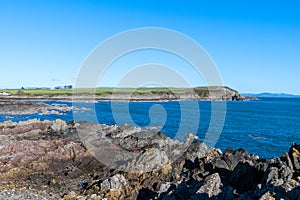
266 127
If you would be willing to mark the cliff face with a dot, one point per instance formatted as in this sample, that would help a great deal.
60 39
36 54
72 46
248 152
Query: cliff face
198 93
47 159
218 93
140 94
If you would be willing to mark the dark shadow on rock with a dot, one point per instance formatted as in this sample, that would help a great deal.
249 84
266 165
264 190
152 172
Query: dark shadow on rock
244 177
146 194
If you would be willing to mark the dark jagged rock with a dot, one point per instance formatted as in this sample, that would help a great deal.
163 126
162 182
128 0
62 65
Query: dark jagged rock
43 158
295 156
211 186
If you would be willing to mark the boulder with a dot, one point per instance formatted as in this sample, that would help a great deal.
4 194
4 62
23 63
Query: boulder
59 126
211 186
295 155
115 182
245 176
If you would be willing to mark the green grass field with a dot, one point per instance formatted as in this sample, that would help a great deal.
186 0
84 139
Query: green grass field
39 92
99 91
107 91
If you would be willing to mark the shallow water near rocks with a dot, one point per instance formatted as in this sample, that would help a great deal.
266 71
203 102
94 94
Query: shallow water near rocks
266 127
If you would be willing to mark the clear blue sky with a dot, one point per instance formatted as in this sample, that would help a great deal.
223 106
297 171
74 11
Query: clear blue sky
255 44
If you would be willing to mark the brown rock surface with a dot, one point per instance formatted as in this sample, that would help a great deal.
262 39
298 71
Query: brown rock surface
19 107
54 159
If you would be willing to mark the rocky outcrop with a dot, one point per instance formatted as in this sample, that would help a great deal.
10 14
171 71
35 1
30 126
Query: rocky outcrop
55 159
12 107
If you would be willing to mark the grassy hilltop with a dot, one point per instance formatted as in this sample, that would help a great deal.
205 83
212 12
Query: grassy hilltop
155 93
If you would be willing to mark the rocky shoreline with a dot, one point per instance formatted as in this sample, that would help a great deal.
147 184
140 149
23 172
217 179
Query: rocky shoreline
50 160
19 107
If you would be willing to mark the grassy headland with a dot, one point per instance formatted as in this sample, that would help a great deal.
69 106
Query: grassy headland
155 93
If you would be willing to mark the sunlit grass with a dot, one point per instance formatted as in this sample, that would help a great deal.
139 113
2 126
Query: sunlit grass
202 91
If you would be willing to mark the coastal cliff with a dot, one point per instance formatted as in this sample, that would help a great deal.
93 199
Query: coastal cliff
197 93
48 159
131 94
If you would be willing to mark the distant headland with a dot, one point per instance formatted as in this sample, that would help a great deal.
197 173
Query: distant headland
272 95
127 94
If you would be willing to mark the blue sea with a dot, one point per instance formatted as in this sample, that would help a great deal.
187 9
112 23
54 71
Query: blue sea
266 127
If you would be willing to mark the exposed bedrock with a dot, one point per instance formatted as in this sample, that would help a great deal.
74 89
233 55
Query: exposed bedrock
52 159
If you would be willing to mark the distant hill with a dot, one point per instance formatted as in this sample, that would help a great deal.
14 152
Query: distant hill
130 94
271 95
